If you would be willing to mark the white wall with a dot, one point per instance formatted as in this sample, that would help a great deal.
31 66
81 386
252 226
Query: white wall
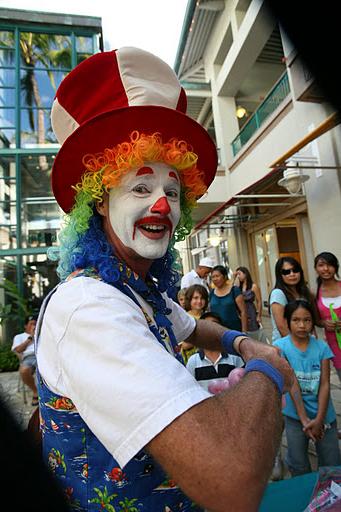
324 197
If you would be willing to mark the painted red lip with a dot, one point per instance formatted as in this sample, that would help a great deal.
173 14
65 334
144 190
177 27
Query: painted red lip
161 221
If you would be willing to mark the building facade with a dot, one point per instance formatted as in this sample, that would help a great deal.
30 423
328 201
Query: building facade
36 51
248 86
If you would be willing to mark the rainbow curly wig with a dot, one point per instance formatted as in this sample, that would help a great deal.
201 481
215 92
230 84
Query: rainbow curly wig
82 242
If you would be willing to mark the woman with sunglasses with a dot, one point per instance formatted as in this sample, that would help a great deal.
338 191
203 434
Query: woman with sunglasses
329 292
290 285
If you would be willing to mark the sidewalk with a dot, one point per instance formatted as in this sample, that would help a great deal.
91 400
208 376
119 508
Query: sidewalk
14 399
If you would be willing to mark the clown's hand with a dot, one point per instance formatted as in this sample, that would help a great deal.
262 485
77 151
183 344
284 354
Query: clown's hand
251 349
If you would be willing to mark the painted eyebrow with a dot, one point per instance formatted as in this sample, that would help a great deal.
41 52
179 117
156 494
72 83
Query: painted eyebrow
173 175
144 170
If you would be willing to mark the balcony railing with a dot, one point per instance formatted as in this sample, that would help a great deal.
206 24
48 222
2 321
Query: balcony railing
275 97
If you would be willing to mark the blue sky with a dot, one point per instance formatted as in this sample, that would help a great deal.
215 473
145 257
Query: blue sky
153 25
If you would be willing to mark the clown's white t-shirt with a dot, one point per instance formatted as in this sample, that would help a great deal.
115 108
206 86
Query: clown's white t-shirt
95 347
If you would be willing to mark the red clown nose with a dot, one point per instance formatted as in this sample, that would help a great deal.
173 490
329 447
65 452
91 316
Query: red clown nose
161 206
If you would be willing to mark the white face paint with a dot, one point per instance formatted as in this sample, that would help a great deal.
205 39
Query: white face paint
145 209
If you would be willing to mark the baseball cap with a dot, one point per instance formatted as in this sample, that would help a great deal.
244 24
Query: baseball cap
206 262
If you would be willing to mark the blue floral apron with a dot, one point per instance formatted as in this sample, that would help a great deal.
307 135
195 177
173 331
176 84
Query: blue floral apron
89 475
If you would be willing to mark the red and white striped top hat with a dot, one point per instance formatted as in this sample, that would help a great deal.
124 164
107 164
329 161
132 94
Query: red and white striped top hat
103 99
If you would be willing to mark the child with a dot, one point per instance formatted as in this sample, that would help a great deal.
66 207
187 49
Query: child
181 297
208 365
309 412
196 302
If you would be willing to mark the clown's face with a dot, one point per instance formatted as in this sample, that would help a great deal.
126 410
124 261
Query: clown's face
145 209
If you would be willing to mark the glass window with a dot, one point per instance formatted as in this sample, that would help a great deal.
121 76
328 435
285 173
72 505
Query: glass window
36 176
6 39
36 129
39 278
194 243
7 223
84 44
261 264
40 214
38 87
7 96
7 127
7 138
45 50
97 40
9 298
7 117
84 47
7 204
7 57
272 251
224 254
7 77
7 167
40 223
202 237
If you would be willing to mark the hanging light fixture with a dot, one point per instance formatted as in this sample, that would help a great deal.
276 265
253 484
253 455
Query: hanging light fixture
215 240
241 112
293 179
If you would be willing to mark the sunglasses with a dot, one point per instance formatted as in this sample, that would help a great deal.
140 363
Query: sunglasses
287 271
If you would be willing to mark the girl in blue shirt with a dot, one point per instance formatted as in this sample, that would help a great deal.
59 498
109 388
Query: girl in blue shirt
309 412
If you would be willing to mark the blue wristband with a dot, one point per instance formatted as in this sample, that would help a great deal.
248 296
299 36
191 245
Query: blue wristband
227 341
259 365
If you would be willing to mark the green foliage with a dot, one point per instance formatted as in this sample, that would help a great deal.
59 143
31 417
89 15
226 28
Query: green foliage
9 362
18 309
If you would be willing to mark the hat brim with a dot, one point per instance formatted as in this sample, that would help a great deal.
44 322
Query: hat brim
113 127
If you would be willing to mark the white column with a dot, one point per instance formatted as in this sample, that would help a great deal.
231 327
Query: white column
226 126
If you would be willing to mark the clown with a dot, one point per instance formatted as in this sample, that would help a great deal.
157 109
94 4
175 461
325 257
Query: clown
130 169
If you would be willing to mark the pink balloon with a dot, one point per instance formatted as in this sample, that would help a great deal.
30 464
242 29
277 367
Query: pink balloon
235 375
217 386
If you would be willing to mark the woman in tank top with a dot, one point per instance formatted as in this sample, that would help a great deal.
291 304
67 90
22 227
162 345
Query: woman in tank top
227 301
329 292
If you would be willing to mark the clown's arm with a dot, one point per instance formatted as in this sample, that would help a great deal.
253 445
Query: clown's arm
221 451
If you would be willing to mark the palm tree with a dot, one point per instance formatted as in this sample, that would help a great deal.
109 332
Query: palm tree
104 499
128 505
39 49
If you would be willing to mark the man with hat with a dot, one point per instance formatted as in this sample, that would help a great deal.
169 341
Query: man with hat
199 275
117 405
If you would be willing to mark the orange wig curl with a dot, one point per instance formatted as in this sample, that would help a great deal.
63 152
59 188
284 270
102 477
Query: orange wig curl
105 170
